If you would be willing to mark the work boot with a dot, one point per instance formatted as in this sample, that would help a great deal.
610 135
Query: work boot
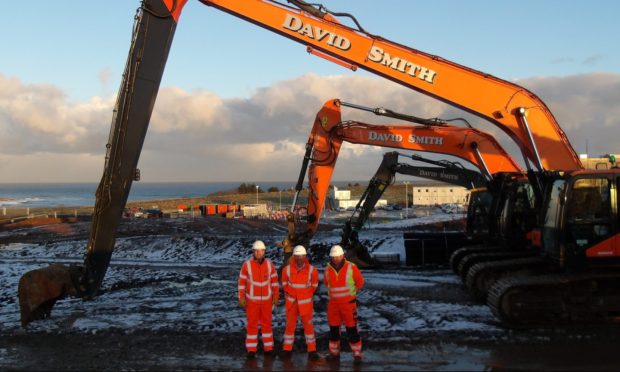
251 354
268 353
357 359
313 355
286 354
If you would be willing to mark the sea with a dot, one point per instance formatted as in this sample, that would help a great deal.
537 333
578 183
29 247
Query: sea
45 195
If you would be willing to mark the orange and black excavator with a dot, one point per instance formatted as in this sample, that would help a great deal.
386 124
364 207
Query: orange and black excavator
444 171
515 110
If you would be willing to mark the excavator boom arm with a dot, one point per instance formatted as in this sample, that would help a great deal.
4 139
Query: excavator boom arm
466 178
512 108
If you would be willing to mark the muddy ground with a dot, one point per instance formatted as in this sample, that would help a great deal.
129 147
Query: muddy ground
169 302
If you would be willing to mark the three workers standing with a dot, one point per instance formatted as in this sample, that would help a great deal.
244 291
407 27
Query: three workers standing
258 291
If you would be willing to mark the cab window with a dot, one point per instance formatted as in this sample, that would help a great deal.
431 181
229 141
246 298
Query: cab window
588 212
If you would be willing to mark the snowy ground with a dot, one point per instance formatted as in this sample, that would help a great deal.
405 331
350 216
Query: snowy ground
169 302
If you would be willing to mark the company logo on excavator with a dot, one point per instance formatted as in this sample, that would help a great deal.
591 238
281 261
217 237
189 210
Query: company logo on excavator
431 174
315 32
397 138
378 55
384 137
425 140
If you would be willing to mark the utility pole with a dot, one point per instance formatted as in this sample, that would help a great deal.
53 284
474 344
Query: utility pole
257 194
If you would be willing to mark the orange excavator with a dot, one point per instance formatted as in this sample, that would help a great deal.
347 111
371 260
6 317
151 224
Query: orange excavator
515 110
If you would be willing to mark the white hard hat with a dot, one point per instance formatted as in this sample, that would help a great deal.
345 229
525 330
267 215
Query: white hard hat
336 251
258 245
299 251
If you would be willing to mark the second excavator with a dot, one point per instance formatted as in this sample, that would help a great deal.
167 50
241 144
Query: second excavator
430 136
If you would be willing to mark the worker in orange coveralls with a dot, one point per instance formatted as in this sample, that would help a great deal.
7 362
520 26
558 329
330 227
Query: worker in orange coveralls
343 279
258 291
299 282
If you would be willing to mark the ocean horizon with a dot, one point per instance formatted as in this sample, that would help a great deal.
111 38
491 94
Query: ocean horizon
45 195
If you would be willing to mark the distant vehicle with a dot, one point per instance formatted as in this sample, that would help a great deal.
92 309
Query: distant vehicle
397 208
153 213
449 208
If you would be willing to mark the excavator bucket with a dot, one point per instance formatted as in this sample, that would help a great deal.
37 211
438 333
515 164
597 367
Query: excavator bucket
358 254
39 290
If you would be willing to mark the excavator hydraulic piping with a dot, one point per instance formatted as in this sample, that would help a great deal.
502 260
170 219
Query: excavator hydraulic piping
487 172
310 8
302 174
329 58
523 115
381 111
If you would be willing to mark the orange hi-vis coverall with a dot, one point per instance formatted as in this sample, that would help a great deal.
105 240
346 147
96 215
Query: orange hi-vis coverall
342 286
299 285
258 284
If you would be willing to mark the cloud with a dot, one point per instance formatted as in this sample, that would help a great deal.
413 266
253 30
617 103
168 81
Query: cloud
200 136
38 118
585 106
592 59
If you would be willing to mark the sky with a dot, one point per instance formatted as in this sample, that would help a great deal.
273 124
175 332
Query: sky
237 102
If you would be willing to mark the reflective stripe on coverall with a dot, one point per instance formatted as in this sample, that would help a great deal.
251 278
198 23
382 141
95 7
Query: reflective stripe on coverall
258 284
299 286
342 286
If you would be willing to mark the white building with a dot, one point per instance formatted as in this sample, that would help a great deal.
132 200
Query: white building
340 194
343 199
255 210
602 162
437 194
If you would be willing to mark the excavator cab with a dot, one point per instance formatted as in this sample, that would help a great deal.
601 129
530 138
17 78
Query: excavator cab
478 210
581 224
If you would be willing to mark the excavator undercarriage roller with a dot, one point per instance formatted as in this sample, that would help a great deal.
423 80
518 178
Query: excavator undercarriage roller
483 275
556 299
486 256
459 254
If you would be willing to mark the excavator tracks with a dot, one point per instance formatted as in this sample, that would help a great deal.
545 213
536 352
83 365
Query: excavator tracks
458 255
481 276
491 255
556 299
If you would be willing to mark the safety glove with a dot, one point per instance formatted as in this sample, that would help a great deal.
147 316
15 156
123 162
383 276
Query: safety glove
242 302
